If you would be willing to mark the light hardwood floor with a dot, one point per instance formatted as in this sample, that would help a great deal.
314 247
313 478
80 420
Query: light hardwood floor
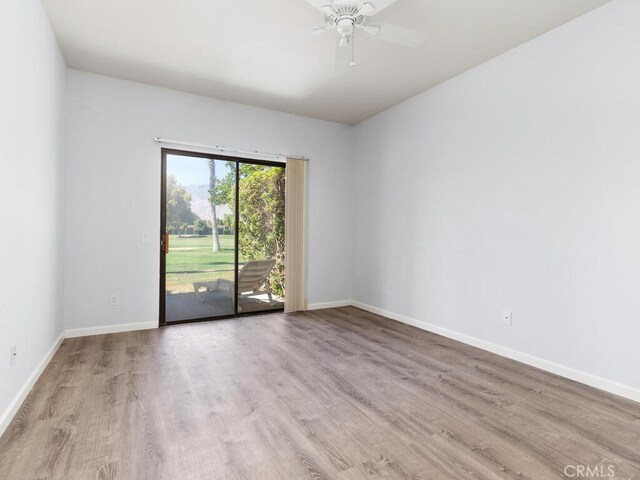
332 394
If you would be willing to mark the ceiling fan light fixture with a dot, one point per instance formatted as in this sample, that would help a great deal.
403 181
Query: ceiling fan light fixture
345 26
344 41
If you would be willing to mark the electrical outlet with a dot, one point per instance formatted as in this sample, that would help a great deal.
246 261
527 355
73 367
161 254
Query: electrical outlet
14 355
114 300
507 318
145 237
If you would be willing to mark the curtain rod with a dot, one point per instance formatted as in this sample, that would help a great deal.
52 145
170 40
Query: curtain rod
223 149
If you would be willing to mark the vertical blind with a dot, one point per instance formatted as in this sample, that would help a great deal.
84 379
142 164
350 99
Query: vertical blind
295 218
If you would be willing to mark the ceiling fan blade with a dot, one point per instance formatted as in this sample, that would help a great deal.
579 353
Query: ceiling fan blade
366 9
319 30
329 10
397 35
372 30
379 5
320 4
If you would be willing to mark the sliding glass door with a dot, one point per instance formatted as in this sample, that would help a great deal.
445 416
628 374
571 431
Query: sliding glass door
222 237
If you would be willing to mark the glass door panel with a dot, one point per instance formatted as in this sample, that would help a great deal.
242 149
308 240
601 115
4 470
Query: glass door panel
261 197
199 245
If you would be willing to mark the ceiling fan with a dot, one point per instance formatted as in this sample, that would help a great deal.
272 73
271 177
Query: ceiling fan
347 16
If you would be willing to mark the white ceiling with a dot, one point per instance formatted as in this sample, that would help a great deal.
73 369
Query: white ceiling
259 52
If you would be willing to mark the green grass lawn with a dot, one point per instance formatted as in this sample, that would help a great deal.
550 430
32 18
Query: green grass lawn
191 260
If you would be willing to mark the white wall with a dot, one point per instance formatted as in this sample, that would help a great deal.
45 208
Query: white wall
516 186
31 206
113 189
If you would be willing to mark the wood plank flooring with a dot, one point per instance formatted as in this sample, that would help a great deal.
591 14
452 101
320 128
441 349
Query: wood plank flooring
333 394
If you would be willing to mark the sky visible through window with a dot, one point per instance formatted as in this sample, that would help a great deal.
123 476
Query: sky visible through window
194 170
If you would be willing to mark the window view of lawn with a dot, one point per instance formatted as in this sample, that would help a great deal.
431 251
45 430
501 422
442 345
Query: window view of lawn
191 259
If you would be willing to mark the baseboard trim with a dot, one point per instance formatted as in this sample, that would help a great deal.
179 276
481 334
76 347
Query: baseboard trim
580 376
16 403
103 329
320 306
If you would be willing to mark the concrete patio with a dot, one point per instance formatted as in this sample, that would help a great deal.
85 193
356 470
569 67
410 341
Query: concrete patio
185 306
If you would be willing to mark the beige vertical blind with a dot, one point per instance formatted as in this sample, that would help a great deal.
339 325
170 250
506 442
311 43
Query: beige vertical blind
295 218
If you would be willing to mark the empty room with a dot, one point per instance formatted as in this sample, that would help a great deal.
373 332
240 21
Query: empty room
320 239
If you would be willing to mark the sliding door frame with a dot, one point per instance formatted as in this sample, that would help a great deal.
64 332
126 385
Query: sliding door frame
163 229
